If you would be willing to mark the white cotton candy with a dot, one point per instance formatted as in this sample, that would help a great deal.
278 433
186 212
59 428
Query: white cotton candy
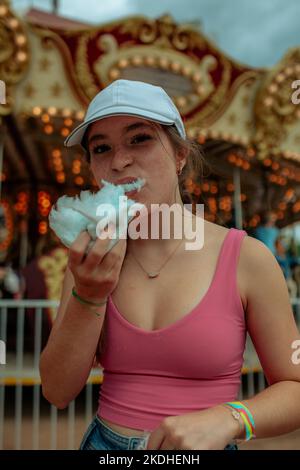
73 215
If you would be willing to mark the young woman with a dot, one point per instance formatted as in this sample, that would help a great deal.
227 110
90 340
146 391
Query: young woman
170 323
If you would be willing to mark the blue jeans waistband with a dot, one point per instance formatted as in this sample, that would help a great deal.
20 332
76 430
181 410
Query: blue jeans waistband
99 436
130 442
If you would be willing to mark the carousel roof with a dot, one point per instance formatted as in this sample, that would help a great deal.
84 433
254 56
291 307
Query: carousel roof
244 117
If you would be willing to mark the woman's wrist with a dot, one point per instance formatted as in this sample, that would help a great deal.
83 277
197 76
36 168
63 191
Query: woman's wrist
234 427
236 422
246 416
88 299
95 307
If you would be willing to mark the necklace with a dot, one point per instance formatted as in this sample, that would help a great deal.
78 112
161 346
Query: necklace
152 274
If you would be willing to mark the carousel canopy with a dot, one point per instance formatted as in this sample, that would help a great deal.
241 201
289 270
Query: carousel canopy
245 118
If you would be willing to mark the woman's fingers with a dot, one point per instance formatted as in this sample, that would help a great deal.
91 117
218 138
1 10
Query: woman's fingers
95 269
77 250
96 253
114 258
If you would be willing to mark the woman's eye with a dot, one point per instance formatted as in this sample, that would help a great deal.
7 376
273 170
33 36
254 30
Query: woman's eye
140 138
100 148
135 140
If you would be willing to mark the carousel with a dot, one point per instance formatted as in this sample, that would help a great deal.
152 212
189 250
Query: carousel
50 68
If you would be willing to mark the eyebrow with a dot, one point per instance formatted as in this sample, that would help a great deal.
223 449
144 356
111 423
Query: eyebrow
130 127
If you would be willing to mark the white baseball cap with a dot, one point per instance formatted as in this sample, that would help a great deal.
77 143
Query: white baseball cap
132 98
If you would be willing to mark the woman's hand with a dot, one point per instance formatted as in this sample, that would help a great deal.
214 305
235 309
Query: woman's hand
210 429
96 273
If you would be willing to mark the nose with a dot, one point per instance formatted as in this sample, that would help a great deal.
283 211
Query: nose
121 158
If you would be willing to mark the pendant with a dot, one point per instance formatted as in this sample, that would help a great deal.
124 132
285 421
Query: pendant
152 275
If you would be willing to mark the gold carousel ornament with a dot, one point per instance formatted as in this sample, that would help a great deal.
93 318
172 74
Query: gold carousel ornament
275 111
14 54
158 51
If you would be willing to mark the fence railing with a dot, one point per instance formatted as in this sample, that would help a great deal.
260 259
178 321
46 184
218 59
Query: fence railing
27 420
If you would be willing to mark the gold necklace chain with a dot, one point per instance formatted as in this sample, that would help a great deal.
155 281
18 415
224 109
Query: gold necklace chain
152 274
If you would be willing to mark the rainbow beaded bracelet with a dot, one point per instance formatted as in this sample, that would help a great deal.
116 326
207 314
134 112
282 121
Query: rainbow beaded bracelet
246 417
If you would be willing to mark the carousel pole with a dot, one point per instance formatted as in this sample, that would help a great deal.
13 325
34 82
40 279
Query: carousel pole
238 213
23 227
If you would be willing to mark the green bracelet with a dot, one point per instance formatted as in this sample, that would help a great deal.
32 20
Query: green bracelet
87 302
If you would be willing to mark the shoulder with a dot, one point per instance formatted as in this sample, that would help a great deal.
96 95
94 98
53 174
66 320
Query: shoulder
214 233
255 262
252 250
255 254
269 314
259 270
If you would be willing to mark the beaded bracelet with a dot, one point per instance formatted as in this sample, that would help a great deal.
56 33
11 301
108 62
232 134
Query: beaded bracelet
89 304
236 415
246 417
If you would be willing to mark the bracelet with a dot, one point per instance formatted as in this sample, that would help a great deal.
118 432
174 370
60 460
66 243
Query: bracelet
88 303
236 415
93 310
246 416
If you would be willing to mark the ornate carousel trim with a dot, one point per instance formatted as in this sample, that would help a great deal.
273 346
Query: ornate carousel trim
94 57
274 110
14 53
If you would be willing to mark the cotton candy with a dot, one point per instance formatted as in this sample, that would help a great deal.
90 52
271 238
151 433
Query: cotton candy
73 215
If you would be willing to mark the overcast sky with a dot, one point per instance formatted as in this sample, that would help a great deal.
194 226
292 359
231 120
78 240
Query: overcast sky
255 32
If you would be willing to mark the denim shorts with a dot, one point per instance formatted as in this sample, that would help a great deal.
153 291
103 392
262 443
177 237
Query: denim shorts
99 436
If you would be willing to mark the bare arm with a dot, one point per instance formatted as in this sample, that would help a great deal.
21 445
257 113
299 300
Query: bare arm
273 330
271 325
68 357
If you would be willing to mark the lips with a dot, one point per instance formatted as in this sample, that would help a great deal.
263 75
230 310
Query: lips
131 184
128 179
133 191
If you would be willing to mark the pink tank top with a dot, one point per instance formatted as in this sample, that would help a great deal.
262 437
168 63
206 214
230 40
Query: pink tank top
193 364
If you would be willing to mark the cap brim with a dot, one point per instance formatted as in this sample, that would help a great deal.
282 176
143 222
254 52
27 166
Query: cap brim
77 134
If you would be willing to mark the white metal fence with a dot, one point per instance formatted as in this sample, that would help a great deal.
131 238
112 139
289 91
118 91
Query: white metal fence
27 420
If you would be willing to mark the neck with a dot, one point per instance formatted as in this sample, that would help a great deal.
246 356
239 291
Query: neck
162 238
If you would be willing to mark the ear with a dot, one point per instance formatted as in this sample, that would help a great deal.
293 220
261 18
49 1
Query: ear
181 157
